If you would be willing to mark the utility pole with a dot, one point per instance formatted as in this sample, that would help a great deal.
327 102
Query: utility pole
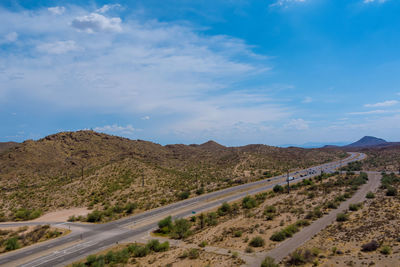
288 185
82 172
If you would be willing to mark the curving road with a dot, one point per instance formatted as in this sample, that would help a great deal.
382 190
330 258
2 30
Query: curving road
88 239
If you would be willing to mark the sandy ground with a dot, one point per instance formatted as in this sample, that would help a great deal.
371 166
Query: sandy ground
378 220
61 215
56 216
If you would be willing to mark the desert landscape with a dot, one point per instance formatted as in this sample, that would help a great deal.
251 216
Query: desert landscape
181 133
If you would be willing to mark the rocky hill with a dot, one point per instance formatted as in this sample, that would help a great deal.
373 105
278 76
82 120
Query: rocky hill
7 145
86 168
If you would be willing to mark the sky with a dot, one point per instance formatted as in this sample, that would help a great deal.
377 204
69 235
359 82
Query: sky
238 72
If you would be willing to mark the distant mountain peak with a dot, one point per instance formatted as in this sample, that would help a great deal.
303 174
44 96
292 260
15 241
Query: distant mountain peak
211 145
368 141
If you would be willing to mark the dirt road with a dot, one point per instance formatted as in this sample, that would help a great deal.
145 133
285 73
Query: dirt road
289 245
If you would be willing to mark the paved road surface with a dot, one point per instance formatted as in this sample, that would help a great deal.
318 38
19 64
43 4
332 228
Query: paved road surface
93 238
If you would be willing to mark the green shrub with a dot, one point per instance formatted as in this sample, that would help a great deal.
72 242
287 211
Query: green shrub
269 216
269 262
270 209
224 209
12 244
237 233
200 191
153 244
314 214
203 244
156 246
391 191
278 188
257 241
72 218
109 257
27 214
340 198
331 205
163 246
290 230
386 250
118 209
90 260
301 223
249 250
181 228
211 219
296 258
139 251
94 216
165 225
261 197
193 253
184 195
370 195
122 256
248 202
341 217
355 207
278 236
130 207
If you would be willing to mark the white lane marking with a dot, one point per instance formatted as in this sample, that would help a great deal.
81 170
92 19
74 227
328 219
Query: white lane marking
57 254
157 214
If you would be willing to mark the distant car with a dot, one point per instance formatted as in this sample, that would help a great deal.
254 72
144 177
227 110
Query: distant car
193 212
291 178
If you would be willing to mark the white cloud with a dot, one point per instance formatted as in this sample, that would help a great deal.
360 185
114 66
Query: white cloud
9 38
307 100
97 23
185 80
146 118
374 1
285 3
382 104
60 47
116 129
57 10
297 124
371 112
106 8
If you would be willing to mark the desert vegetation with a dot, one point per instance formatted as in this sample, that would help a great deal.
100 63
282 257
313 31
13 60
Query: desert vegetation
261 221
105 173
155 253
368 234
382 158
11 239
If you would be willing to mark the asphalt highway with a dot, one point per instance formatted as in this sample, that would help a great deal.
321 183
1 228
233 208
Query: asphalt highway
88 239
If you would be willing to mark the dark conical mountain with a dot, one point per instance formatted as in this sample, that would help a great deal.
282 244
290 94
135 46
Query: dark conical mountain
368 141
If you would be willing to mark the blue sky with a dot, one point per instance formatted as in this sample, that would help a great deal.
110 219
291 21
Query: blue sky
237 72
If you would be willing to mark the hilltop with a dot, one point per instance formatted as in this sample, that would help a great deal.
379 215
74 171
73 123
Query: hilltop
90 169
368 141
7 145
